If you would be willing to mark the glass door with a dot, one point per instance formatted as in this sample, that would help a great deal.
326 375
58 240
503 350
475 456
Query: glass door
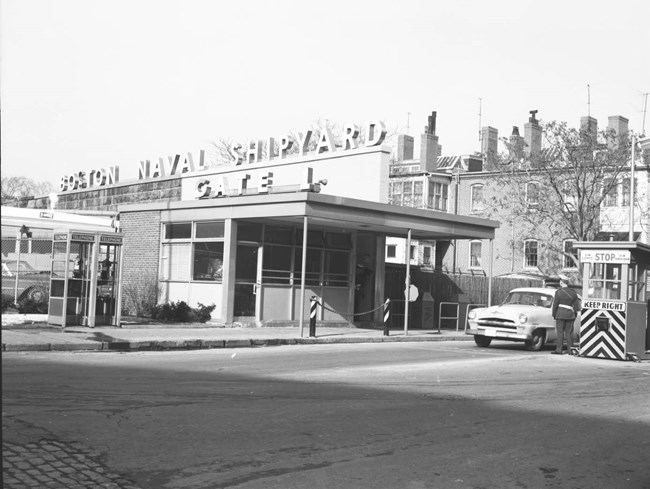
247 282
107 280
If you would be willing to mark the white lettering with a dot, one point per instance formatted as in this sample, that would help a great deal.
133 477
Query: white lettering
325 141
270 149
254 151
303 141
286 143
203 189
143 169
158 169
375 134
236 156
266 182
350 135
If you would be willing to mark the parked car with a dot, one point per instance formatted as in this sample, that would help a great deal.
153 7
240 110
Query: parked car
32 284
524 316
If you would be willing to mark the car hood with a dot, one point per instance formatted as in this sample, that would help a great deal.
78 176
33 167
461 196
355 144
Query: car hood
506 310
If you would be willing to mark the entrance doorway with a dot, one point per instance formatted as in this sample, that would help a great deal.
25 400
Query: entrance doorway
247 282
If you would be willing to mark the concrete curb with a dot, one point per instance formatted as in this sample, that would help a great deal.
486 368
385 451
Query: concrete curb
194 344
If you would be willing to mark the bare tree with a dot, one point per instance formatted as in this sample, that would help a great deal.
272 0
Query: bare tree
221 148
559 192
16 188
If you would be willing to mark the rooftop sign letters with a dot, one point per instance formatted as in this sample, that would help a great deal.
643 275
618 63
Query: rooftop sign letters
255 152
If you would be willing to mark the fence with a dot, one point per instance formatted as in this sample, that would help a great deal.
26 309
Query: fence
462 289
26 264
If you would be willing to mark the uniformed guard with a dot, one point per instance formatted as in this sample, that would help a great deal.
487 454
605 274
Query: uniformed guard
566 305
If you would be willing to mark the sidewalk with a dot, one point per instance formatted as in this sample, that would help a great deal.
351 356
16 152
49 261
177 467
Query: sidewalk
22 332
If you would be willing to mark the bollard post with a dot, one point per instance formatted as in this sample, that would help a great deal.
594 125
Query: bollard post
386 316
312 316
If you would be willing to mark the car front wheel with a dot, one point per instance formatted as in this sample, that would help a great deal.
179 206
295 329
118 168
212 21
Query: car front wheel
482 341
537 341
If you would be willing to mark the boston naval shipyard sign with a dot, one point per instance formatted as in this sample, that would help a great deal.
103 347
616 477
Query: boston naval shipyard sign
256 152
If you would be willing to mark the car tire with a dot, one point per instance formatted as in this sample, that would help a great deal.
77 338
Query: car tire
536 343
482 341
35 294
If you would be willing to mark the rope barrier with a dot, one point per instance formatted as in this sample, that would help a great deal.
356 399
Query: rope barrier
346 314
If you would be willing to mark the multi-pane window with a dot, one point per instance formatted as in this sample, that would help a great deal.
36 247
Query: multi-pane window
530 253
475 250
570 257
532 195
408 193
476 196
438 196
192 251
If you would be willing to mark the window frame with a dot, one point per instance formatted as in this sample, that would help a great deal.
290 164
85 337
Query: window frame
472 264
477 205
527 261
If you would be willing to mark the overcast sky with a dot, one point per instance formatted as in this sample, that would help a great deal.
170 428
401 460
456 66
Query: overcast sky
88 84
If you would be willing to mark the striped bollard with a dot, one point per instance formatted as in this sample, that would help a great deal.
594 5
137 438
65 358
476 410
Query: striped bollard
386 316
312 316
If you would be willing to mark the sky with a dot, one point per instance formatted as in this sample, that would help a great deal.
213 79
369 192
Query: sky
87 84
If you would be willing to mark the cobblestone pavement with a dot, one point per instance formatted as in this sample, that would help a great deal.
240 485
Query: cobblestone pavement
50 464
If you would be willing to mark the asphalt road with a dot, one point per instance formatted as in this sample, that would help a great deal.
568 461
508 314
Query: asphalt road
395 415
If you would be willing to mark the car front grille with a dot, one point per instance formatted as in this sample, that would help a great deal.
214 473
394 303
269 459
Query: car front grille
497 323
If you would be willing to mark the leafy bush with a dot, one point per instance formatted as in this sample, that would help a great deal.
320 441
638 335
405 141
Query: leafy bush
181 312
7 301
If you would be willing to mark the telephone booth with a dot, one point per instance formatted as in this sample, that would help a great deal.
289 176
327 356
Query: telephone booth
614 320
85 280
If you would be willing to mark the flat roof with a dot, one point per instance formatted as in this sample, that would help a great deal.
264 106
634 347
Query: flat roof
328 211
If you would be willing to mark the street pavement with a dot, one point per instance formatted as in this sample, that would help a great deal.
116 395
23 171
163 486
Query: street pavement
44 463
30 332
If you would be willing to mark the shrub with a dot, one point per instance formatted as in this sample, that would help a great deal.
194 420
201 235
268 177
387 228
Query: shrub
141 300
7 302
181 312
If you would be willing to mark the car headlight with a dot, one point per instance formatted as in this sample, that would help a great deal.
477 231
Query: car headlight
472 314
523 318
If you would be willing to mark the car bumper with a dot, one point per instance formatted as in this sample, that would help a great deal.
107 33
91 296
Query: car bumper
497 333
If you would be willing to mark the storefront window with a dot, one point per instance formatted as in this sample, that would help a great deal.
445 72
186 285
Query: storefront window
208 261
175 261
199 257
181 230
277 264
209 229
312 267
336 268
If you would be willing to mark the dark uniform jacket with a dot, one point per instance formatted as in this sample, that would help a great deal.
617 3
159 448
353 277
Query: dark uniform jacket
565 304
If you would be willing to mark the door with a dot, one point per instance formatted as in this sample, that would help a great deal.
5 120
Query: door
107 280
247 282
79 284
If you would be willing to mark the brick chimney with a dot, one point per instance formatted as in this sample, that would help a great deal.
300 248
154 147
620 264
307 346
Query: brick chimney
489 143
516 143
405 147
588 128
429 146
533 135
618 124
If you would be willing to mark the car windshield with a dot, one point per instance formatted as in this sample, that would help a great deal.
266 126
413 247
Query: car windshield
23 267
529 298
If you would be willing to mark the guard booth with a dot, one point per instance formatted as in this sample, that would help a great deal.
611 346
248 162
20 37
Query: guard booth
85 280
614 320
